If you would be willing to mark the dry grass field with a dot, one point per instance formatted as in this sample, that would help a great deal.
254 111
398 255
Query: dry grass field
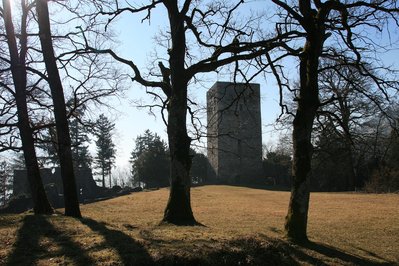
241 226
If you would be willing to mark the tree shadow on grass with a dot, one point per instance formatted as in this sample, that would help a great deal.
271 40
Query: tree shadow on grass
254 250
263 250
251 250
129 250
372 254
240 251
27 248
335 253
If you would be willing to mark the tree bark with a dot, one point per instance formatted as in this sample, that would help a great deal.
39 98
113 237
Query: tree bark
297 217
41 204
178 209
308 103
63 136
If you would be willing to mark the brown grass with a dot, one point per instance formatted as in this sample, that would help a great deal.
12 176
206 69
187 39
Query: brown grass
241 226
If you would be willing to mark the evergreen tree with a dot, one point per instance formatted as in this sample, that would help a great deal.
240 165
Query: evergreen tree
105 158
49 145
79 146
199 168
80 149
277 167
79 128
150 161
18 162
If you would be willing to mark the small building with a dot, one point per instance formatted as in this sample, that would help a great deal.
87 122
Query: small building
234 137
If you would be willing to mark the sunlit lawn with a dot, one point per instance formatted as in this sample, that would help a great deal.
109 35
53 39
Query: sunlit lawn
241 226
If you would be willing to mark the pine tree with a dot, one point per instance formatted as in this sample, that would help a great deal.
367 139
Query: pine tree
79 128
150 161
79 146
18 162
80 149
49 146
106 151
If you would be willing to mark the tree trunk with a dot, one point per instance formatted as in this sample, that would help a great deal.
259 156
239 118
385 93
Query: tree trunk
297 217
178 209
41 204
63 137
348 167
347 156
308 102
110 175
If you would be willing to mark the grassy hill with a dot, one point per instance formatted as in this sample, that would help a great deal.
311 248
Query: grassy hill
242 226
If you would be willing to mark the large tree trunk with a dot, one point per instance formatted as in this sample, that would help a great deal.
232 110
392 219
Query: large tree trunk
308 102
63 137
297 217
41 204
178 209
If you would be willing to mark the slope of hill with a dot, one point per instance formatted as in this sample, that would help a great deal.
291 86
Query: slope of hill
241 226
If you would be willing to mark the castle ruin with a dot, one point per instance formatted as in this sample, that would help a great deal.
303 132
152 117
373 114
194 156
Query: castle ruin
234 133
52 181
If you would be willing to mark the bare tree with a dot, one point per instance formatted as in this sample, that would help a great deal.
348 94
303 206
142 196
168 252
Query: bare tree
343 115
86 79
60 113
19 74
333 30
210 28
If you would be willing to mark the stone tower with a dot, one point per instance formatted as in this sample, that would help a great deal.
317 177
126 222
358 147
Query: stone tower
234 132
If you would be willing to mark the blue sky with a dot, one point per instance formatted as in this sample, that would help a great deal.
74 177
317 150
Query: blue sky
137 42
